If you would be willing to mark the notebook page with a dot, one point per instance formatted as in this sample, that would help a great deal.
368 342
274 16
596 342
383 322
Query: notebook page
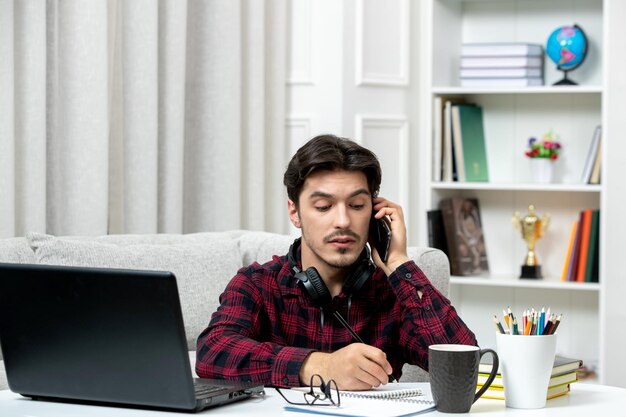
371 407
367 406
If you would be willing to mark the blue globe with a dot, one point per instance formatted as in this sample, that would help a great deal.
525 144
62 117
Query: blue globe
567 47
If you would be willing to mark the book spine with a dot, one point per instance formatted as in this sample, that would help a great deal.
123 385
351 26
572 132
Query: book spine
593 243
501 49
502 62
436 231
501 82
568 256
447 142
447 214
595 172
591 155
473 142
501 72
457 143
574 258
584 245
437 138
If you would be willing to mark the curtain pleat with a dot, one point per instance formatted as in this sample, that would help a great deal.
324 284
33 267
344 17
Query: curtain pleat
78 144
142 116
140 105
30 115
213 117
116 119
275 87
172 66
254 169
7 121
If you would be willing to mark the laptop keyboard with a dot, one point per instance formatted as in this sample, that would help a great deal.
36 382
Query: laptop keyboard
204 390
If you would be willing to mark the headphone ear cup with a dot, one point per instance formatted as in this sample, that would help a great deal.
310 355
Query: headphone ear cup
359 277
317 289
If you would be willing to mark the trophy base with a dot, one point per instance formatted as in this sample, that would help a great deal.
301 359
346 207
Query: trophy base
531 272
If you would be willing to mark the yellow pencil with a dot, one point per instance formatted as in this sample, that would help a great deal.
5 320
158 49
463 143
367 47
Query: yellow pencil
506 318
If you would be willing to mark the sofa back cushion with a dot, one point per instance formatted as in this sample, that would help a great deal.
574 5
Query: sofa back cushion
16 250
261 246
203 264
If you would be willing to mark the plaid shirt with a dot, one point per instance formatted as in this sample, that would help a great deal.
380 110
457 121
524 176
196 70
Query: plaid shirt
267 324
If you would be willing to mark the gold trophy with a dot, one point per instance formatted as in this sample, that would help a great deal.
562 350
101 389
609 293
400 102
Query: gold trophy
532 228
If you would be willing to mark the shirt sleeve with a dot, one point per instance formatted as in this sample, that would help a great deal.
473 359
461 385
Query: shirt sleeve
425 321
231 347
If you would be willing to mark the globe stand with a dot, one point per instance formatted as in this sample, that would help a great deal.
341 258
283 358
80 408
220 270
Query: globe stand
565 80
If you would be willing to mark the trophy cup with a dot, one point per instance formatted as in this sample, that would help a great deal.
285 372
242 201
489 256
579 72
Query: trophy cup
531 228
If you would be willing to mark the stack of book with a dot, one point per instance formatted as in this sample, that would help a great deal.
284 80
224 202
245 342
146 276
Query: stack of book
501 64
582 258
564 373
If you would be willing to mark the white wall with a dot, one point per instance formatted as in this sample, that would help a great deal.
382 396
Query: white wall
352 72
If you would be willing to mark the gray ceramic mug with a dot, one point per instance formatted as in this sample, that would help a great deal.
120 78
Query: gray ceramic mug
454 374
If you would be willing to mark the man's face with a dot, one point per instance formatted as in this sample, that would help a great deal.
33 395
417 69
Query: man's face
334 213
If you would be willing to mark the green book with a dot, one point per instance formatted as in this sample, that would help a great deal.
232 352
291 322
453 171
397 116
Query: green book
473 143
592 251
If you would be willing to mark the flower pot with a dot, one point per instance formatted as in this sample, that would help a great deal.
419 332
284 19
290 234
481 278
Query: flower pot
542 170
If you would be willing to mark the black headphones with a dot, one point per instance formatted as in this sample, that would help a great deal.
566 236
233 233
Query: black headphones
313 283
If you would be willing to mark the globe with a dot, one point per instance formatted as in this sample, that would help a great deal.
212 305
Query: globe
567 47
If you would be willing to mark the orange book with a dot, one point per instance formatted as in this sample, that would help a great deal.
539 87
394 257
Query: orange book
572 236
584 245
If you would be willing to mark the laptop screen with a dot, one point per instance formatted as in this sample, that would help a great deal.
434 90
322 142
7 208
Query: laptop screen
94 334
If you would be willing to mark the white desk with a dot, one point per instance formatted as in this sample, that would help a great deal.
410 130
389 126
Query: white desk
585 400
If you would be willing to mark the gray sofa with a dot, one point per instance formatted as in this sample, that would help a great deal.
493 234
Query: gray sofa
202 262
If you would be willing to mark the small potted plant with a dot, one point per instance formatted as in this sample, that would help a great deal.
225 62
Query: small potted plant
542 154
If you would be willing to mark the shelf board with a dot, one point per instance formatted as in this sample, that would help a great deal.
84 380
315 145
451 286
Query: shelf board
547 89
524 283
489 186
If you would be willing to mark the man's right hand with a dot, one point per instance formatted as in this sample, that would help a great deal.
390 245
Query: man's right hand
355 367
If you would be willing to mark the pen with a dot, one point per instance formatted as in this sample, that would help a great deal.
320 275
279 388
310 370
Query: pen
355 336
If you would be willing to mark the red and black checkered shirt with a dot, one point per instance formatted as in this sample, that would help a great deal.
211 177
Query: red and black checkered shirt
267 324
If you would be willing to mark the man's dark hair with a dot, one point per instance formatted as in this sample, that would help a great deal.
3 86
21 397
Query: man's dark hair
330 153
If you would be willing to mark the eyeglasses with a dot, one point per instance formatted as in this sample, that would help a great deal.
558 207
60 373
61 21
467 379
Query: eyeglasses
319 393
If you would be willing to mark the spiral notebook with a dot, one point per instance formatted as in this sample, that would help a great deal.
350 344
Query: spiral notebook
391 400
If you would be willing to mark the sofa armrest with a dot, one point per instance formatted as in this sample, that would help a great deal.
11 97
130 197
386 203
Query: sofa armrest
434 263
3 377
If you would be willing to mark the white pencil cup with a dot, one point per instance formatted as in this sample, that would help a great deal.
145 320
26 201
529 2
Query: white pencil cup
526 365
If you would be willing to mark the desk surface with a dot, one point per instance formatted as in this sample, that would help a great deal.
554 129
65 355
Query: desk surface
583 400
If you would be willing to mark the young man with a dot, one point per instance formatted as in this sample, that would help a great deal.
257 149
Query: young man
277 322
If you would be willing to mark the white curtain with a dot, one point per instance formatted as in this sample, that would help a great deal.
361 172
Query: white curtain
142 116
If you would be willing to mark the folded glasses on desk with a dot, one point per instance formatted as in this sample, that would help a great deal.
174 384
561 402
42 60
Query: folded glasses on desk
320 393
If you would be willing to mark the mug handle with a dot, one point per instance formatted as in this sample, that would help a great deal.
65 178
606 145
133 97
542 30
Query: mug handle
492 375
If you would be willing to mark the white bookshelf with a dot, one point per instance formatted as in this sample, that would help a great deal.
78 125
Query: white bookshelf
511 116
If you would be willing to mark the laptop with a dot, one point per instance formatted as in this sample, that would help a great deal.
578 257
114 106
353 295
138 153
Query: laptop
100 335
